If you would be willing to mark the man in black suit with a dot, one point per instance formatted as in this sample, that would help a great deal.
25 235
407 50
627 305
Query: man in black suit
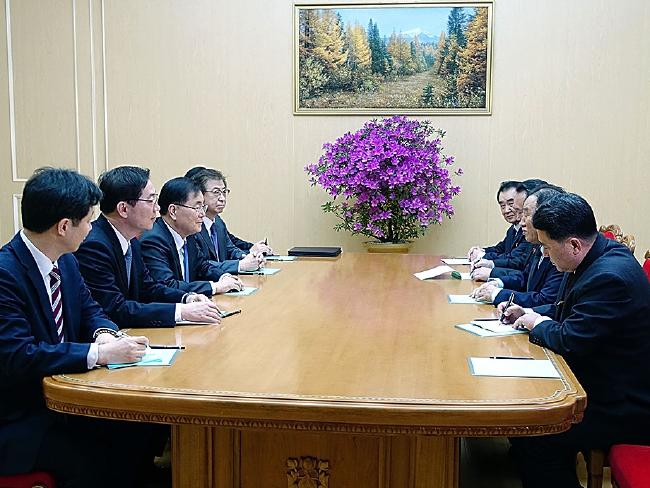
49 324
233 254
110 259
171 258
601 327
539 282
513 250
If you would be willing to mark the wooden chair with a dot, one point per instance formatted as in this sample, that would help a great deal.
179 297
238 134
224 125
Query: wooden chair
37 479
630 466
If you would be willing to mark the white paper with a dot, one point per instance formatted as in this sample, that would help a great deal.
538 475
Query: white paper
520 368
479 331
464 299
466 276
496 327
261 271
433 272
456 261
246 291
275 257
152 357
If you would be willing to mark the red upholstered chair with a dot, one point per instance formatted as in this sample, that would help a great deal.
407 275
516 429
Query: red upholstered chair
630 466
646 264
29 480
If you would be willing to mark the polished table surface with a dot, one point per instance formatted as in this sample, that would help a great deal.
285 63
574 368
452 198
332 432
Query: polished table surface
353 344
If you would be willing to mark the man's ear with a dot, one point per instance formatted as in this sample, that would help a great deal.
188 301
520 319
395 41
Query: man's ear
576 245
122 209
62 226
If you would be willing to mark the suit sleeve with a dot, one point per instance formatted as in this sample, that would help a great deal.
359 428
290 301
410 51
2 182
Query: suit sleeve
592 321
493 251
22 357
515 259
99 271
232 251
156 256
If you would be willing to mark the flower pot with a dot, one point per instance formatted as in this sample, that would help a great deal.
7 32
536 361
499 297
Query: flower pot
390 247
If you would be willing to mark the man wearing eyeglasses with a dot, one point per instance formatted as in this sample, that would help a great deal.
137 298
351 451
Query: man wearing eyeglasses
233 254
169 256
110 259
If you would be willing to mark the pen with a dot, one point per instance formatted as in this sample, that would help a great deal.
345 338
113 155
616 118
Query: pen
509 357
485 318
503 314
266 242
155 346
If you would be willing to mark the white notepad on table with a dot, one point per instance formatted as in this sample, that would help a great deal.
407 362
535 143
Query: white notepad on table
466 299
456 261
261 271
483 332
275 257
242 293
519 368
153 357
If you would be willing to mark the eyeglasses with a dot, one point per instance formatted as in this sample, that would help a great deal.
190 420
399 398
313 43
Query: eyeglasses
220 192
153 200
197 209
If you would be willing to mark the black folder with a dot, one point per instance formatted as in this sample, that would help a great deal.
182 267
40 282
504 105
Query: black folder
321 252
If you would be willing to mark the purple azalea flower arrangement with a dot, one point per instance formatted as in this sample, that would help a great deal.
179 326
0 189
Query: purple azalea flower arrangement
389 180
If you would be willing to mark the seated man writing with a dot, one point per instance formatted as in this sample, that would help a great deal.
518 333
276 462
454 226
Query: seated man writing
538 283
600 324
171 258
50 324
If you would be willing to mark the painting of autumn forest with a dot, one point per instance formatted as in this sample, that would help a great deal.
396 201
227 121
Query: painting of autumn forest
374 59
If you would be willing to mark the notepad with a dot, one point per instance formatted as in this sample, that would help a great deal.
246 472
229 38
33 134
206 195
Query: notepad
275 257
456 261
153 357
466 299
261 271
242 293
483 332
519 368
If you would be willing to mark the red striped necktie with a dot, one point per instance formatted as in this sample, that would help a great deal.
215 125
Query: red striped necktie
57 301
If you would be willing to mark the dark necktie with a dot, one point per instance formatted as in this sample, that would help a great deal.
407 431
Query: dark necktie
57 301
186 263
128 259
215 239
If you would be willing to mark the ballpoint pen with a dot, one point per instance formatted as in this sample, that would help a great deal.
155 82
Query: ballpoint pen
510 300
510 357
157 346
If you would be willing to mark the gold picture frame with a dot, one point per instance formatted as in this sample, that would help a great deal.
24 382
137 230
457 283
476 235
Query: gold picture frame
393 58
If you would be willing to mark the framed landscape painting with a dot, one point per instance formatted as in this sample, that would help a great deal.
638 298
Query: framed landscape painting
424 58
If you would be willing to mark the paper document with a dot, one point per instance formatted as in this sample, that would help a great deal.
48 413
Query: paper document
465 276
433 272
261 271
480 331
464 299
496 327
521 368
246 291
456 261
275 257
153 357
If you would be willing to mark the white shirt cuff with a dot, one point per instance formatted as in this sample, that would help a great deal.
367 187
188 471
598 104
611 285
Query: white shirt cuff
93 355
177 313
540 320
496 281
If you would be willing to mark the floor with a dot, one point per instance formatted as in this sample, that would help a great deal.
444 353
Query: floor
485 464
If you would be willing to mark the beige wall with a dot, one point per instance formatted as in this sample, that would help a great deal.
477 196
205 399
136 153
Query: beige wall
193 81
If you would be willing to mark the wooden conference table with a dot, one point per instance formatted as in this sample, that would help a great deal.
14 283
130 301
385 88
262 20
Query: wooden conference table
339 373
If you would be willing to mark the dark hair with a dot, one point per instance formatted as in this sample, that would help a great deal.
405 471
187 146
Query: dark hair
200 175
52 194
528 186
546 193
566 215
507 185
122 184
176 190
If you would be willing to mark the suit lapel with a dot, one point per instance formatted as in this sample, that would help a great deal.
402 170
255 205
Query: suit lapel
118 256
68 293
169 239
207 240
26 259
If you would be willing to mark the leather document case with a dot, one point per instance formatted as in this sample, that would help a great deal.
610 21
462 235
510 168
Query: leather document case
322 252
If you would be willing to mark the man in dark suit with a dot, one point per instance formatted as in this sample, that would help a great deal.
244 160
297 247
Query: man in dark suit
539 282
171 258
513 250
601 327
110 259
49 324
214 236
